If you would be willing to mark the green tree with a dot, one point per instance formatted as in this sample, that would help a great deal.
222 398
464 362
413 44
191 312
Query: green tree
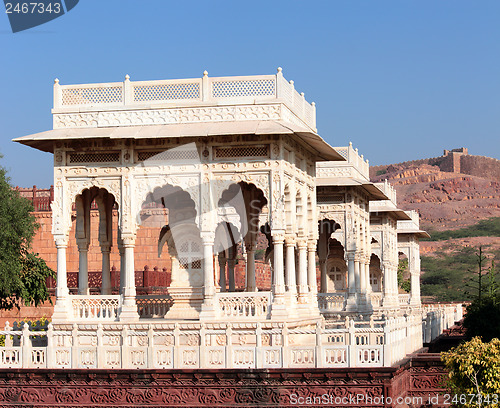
23 273
403 283
474 368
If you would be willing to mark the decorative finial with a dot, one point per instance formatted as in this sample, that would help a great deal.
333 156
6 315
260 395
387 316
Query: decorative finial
302 94
205 73
127 77
350 144
280 69
291 82
313 103
56 81
362 158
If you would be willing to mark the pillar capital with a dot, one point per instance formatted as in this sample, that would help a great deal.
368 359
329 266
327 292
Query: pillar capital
301 243
83 244
106 247
207 237
311 246
128 241
278 237
290 240
61 241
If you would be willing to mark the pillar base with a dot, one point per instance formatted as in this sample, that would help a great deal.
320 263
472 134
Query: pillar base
352 303
128 311
390 301
291 305
208 312
61 311
187 303
278 308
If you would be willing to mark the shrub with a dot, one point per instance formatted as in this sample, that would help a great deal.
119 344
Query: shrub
474 368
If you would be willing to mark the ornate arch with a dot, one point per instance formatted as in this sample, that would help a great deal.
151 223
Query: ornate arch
144 186
69 189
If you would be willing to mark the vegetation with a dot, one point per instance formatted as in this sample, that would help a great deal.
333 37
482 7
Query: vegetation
447 276
484 228
380 172
404 282
474 369
23 274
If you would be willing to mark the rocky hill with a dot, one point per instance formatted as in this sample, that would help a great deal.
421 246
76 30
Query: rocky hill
450 192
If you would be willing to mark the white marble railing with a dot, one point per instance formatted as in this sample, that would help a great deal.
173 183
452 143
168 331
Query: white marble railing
353 159
243 304
95 307
219 345
376 299
149 306
194 91
404 299
438 317
331 302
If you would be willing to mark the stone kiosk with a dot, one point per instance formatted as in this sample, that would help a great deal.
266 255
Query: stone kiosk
229 159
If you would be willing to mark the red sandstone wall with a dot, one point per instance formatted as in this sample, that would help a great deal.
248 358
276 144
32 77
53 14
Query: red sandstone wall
146 250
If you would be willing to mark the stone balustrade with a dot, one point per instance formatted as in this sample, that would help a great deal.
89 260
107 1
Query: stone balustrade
205 91
244 304
331 302
349 343
151 306
438 317
95 307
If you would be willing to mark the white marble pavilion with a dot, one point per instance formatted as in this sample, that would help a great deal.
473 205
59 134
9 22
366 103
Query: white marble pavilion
228 158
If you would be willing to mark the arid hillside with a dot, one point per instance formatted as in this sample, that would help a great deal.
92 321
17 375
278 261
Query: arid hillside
446 199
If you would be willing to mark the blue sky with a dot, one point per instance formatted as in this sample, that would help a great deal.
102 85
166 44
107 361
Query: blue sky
400 79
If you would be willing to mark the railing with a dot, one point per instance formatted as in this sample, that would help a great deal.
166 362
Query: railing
344 168
335 302
331 302
404 299
218 90
149 306
217 345
388 190
243 304
95 307
40 198
376 299
438 317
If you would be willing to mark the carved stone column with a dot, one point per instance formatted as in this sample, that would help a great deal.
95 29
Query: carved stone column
62 307
362 276
222 273
106 270
351 280
230 274
324 275
311 277
366 265
291 284
278 309
83 272
352 297
121 251
129 307
390 285
303 288
250 272
414 261
208 306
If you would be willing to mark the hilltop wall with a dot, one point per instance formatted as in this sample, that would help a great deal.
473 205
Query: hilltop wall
452 162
